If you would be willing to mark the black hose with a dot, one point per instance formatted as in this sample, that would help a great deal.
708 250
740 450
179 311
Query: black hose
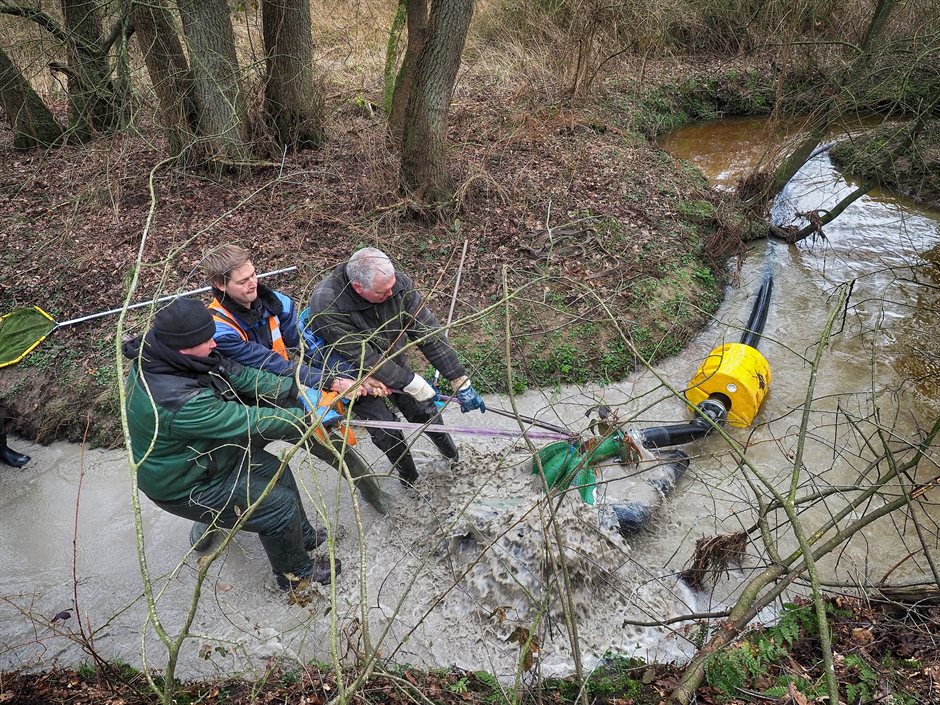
662 436
716 409
755 324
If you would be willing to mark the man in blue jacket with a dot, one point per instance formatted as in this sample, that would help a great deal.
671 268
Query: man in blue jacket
258 327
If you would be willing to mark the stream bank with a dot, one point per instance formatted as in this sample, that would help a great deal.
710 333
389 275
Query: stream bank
865 633
589 219
914 171
412 586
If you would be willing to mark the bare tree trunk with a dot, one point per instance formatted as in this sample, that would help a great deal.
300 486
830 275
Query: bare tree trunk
32 122
207 26
831 112
91 97
390 71
416 12
292 103
169 72
423 161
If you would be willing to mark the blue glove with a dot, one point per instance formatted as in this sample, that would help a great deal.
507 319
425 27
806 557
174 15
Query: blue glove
309 399
438 402
469 399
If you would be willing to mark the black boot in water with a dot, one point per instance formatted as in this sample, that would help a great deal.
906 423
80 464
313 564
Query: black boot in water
445 444
8 456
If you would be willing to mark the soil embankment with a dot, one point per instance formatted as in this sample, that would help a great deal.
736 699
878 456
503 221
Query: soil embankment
885 157
589 221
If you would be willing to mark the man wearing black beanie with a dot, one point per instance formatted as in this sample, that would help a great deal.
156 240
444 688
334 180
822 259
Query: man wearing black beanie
198 425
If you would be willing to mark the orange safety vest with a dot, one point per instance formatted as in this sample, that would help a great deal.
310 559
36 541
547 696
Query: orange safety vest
326 400
220 315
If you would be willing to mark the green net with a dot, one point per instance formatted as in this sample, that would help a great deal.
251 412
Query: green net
21 330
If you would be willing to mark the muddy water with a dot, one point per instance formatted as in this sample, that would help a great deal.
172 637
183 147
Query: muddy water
457 566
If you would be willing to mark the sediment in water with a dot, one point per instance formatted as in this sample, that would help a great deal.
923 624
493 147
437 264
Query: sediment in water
519 553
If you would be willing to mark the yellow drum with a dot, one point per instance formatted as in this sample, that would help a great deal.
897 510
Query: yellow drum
739 373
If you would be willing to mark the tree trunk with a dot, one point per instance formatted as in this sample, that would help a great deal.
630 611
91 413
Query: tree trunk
32 122
424 141
417 24
91 97
207 27
293 106
390 71
169 73
831 111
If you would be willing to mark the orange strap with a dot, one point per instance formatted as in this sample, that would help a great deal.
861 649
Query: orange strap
220 315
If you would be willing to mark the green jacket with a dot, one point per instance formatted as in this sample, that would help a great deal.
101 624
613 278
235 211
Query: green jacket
194 426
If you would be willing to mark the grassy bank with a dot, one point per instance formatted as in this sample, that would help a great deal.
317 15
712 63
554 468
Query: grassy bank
885 158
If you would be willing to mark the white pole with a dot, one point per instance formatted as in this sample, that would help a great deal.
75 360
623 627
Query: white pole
169 297
453 299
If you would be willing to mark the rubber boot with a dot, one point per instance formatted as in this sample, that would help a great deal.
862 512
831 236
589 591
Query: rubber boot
445 444
286 554
313 537
407 472
202 537
10 457
365 481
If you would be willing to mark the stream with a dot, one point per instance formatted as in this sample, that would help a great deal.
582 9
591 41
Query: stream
66 520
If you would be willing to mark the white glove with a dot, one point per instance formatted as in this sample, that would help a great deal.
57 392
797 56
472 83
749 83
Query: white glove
419 388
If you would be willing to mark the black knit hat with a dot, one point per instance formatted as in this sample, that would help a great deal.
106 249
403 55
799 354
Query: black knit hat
185 323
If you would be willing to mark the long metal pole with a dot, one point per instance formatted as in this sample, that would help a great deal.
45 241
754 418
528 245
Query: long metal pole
169 297
453 298
463 430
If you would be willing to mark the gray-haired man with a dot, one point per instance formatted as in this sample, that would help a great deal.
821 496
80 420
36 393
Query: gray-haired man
367 312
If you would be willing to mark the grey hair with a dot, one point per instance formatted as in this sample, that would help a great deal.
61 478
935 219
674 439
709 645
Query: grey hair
365 264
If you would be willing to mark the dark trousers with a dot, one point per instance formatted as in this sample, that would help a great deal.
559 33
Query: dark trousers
392 443
279 520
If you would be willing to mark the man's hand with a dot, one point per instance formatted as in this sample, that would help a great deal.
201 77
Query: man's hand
375 387
467 396
341 385
420 389
369 386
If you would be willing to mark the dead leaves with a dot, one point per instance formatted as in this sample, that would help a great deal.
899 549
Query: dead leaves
528 645
795 697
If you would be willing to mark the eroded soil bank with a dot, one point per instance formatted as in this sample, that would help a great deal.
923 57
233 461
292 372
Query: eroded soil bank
884 157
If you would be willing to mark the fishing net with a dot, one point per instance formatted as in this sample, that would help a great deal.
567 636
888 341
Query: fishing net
21 330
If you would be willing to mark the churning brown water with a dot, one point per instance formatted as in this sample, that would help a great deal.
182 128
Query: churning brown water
457 567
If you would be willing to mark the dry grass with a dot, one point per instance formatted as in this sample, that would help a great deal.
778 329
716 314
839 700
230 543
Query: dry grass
551 48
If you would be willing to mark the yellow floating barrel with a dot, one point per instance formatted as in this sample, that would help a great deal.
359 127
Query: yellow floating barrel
738 372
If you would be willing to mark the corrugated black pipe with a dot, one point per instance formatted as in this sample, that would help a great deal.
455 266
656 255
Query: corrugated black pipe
755 324
677 434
